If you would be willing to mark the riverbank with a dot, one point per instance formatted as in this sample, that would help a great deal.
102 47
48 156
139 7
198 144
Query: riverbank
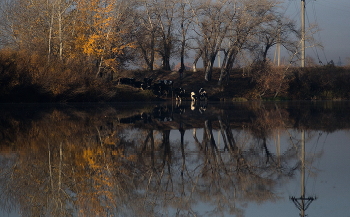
26 81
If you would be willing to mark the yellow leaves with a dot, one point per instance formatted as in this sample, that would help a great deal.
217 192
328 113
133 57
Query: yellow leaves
92 157
93 45
97 35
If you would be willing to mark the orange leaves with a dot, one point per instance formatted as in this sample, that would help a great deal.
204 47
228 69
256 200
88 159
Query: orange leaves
91 157
70 31
92 45
98 36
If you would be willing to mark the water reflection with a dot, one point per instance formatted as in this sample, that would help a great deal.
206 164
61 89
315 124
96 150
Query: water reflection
156 160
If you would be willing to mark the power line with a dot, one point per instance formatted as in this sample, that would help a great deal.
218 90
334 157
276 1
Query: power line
318 33
341 7
296 15
314 49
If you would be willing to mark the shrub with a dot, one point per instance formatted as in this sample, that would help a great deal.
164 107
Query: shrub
269 81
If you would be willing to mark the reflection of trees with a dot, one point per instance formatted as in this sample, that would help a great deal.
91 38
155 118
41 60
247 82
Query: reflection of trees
247 172
66 164
90 164
221 177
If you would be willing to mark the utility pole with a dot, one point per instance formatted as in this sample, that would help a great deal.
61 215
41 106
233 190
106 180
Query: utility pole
302 202
302 33
278 51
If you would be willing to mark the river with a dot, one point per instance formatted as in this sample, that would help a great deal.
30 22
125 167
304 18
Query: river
167 159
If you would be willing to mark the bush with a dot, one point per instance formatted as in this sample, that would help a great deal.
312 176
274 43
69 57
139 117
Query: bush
269 81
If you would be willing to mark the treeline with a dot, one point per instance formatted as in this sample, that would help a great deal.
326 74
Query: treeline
108 34
23 78
320 83
58 50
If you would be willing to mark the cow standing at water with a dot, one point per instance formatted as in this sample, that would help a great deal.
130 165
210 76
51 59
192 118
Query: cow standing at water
147 83
194 96
203 94
179 94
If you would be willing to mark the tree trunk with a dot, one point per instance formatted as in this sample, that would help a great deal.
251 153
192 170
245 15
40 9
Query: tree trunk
60 34
182 55
50 34
223 68
148 56
196 58
209 67
166 63
227 66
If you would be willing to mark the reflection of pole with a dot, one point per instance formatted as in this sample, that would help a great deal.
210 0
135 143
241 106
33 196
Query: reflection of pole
218 139
278 148
302 203
303 172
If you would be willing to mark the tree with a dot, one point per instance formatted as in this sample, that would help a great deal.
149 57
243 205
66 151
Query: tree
250 15
166 12
99 35
185 22
212 21
25 25
154 30
58 13
278 30
144 32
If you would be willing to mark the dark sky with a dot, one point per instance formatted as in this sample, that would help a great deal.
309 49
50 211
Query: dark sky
333 19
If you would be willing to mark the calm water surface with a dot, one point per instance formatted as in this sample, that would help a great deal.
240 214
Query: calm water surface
235 159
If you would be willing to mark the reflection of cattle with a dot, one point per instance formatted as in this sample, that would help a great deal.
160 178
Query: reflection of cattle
179 93
144 117
162 114
201 106
159 113
179 108
162 87
129 81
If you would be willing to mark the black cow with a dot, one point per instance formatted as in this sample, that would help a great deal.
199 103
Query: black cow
146 84
129 81
203 94
138 84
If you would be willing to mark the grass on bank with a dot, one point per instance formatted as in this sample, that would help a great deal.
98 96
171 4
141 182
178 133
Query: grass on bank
29 78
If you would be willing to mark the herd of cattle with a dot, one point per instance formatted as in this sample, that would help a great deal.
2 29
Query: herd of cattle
164 88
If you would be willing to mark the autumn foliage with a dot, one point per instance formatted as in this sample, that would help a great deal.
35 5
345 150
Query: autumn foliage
68 50
55 50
